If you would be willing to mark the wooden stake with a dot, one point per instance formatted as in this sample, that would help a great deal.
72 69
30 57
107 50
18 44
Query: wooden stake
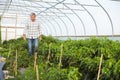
16 63
37 73
60 61
100 67
35 60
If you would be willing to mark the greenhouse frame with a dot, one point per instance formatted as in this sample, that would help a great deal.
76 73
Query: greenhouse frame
59 18
77 40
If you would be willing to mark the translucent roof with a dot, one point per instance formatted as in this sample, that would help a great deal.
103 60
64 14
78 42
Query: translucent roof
63 17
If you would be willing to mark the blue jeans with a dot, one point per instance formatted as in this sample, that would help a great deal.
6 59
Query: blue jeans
32 45
1 72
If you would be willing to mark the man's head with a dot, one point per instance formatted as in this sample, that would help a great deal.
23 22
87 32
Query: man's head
33 16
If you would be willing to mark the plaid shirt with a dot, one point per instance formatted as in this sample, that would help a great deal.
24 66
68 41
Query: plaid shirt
32 30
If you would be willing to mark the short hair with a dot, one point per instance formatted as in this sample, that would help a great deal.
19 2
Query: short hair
32 14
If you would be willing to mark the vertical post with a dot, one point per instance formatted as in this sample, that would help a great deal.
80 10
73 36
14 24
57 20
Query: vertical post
37 73
60 61
35 58
100 67
6 34
16 27
16 62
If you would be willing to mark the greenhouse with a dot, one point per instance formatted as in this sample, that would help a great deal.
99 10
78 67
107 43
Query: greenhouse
59 40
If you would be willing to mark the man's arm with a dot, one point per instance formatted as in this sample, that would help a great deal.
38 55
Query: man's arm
24 36
40 37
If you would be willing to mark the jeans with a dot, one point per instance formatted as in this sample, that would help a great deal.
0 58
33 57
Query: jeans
1 72
32 45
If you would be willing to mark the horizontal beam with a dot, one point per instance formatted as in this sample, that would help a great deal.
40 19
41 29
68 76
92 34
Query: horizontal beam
8 31
17 10
116 0
67 3
72 4
12 27
117 35
5 16
21 5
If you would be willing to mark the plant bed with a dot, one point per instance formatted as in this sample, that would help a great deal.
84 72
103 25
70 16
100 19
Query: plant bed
76 60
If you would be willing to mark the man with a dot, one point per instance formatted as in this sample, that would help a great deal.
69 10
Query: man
32 32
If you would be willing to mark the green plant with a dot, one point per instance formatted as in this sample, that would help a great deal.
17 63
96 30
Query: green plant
79 61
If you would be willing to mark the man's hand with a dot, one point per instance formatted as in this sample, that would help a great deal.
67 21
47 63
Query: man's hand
40 37
24 37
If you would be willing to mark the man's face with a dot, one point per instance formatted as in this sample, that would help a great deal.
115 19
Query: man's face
33 17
